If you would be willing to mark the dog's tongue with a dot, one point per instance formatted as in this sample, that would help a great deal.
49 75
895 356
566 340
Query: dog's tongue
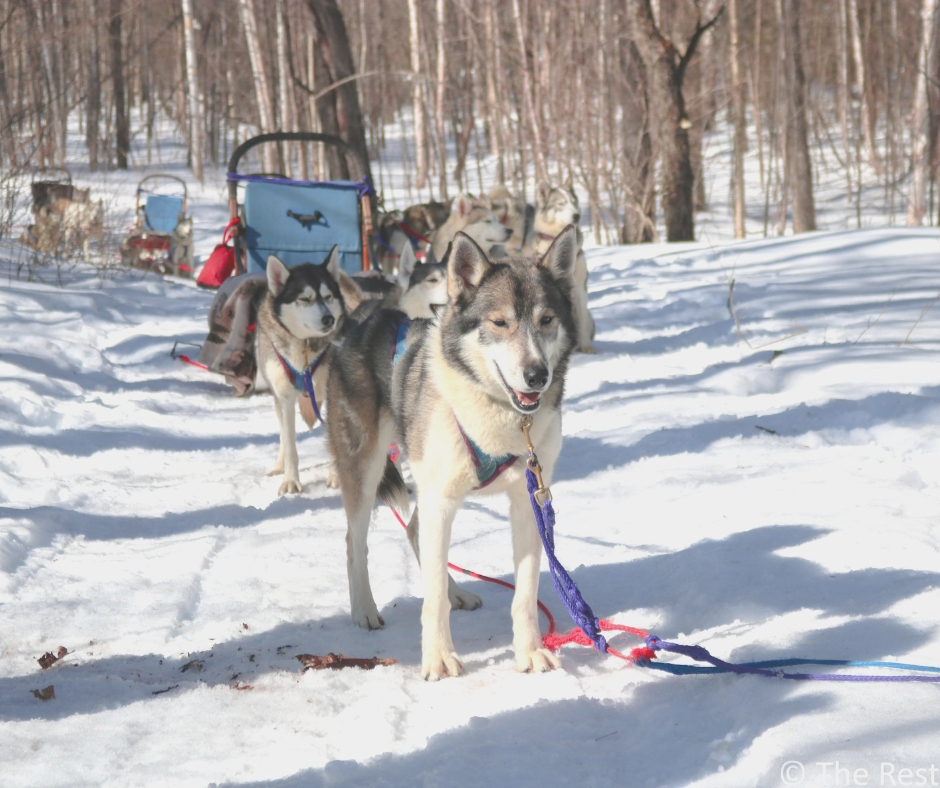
527 397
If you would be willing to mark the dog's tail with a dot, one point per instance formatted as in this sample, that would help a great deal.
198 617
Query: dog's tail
392 489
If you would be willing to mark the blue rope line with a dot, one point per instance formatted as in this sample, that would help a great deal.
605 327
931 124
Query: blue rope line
584 617
567 589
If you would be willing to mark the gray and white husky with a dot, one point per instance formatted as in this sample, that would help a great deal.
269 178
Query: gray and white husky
454 403
555 208
473 217
302 312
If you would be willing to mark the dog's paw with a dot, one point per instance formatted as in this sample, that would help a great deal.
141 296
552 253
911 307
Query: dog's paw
461 599
332 479
368 619
289 486
587 349
537 660
440 663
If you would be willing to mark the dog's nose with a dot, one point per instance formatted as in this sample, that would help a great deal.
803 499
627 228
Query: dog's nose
328 321
536 377
576 218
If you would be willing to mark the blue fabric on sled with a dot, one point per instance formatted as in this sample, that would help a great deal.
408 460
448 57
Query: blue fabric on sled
300 224
162 212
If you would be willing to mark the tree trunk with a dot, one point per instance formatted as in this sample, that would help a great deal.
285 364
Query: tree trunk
93 90
246 11
740 122
439 95
639 225
192 86
336 56
867 120
920 120
493 121
799 172
528 101
666 69
417 100
284 86
122 136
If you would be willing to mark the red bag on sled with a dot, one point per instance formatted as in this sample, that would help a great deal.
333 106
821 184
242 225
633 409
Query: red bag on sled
221 263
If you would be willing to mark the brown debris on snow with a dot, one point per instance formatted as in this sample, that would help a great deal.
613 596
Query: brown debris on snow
339 661
47 693
49 659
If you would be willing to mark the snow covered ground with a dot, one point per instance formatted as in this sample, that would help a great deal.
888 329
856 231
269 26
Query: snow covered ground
764 487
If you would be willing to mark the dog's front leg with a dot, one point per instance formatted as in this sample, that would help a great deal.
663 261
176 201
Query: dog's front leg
287 411
438 657
527 555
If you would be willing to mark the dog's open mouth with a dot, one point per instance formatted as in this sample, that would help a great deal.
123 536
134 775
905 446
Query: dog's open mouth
524 401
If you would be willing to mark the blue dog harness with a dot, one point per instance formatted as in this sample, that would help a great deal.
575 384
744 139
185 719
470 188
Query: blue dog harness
488 467
303 381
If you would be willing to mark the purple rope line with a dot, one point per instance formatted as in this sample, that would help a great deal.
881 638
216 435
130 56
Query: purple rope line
567 589
308 385
700 654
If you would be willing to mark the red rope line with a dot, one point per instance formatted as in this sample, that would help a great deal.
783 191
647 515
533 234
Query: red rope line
188 360
553 641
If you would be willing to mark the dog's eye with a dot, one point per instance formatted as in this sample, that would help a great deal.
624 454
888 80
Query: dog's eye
500 323
328 297
546 320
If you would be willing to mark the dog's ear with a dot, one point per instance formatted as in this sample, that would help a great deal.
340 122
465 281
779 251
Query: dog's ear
406 265
569 183
466 266
462 205
332 262
541 193
352 294
277 275
561 255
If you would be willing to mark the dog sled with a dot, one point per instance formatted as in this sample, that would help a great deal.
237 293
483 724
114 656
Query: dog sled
65 220
162 237
298 221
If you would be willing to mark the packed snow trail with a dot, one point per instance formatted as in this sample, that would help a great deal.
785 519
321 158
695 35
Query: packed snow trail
766 486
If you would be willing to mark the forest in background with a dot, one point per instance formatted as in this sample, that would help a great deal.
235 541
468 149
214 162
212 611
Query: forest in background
616 95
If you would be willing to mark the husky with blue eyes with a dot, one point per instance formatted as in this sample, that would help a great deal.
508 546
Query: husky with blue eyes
302 313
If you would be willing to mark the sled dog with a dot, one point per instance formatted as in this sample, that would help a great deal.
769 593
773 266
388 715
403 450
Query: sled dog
555 208
518 216
474 218
454 403
424 286
302 312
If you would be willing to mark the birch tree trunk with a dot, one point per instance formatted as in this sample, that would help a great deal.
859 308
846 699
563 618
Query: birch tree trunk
195 96
541 168
439 95
867 121
920 120
417 99
93 90
284 86
799 172
740 122
246 12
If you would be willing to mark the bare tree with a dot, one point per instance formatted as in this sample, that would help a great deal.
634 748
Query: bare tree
195 96
666 68
799 171
417 99
122 132
920 119
740 122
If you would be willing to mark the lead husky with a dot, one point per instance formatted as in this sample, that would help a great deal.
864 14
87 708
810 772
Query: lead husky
555 208
302 311
454 403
